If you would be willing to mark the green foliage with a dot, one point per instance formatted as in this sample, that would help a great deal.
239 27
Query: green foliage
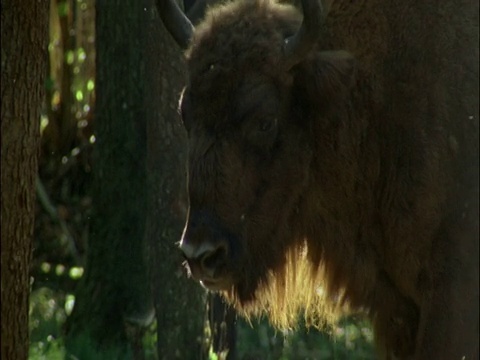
48 312
47 315
150 342
351 338
63 8
84 347
53 349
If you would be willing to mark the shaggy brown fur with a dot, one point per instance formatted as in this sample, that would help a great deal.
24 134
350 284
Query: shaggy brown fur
349 181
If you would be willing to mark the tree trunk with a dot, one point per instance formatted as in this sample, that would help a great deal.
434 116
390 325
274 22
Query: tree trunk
113 298
223 329
24 66
179 302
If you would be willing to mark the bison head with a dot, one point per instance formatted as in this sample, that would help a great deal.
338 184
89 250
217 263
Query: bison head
257 87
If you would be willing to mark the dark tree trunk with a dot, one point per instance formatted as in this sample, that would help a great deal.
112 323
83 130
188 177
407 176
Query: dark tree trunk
24 59
222 321
113 300
179 302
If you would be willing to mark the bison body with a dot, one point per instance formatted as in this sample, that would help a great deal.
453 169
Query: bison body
346 178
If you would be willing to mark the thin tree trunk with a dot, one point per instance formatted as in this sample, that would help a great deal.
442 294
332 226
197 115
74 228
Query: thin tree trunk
222 321
179 302
24 67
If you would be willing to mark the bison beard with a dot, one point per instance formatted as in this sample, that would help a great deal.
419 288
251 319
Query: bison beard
333 166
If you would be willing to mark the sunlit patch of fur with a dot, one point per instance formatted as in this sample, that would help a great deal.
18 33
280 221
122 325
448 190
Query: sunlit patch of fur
299 288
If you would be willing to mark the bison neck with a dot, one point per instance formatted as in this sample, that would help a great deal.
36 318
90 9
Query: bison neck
375 200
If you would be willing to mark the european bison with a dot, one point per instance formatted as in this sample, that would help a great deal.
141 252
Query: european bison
333 164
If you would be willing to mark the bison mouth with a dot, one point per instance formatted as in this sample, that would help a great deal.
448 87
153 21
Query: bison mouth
218 280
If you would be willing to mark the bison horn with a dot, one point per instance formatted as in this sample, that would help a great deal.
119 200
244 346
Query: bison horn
297 46
176 22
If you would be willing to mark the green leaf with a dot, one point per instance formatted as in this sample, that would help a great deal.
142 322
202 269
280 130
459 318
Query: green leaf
63 8
79 95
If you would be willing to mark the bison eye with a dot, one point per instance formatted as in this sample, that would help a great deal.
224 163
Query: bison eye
262 133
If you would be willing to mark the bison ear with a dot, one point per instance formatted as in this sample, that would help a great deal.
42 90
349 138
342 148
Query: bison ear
326 78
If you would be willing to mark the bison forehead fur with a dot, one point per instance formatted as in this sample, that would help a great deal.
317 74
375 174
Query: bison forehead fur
348 181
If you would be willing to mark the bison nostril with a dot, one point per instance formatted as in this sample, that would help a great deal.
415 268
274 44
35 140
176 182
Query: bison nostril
213 260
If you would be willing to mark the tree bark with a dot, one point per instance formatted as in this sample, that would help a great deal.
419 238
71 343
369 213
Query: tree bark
223 329
24 67
113 302
179 302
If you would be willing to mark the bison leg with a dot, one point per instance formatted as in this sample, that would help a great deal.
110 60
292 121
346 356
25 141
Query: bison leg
395 321
449 324
449 320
